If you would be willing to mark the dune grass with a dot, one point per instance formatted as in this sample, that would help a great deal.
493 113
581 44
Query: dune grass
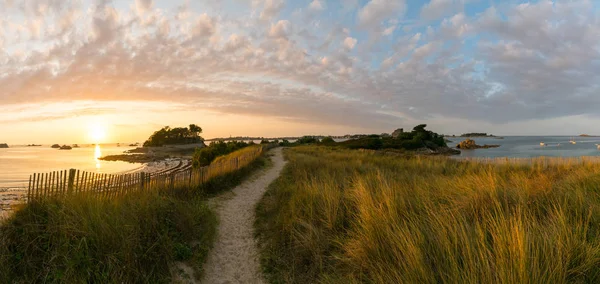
132 239
343 216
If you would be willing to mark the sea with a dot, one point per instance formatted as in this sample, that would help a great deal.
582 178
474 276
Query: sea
17 163
529 146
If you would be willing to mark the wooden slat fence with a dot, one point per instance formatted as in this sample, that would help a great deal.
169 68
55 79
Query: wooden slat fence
74 181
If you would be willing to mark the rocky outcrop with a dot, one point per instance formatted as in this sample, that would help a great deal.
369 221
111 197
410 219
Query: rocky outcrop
397 132
470 145
3 145
55 146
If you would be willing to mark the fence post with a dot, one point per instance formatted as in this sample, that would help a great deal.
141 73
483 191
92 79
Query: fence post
142 180
71 180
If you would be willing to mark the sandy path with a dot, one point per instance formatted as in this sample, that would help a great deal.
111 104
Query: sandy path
234 258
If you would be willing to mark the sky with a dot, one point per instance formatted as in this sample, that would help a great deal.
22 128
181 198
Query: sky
286 68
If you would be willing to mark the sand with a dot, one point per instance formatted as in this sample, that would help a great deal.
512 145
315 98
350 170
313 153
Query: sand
234 258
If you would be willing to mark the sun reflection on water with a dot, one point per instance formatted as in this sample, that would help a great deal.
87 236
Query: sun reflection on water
97 155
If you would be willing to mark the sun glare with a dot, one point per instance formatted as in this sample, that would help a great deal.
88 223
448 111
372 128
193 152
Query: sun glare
97 133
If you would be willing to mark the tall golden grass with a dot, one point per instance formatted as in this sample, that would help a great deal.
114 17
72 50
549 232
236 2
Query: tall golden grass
133 238
338 216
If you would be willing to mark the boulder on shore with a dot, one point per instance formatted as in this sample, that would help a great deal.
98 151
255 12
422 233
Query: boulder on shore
470 145
3 145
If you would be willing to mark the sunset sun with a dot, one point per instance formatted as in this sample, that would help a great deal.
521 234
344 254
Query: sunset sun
97 132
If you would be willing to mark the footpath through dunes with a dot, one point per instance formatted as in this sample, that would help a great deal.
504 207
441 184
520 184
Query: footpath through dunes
234 258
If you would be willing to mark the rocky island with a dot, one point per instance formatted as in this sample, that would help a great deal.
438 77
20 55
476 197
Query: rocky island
3 145
180 142
470 145
480 134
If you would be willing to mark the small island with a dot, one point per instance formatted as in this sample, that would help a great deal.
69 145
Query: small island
55 146
163 144
478 134
470 145
419 141
4 145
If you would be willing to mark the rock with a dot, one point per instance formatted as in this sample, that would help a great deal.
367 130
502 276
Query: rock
433 149
397 132
56 146
470 145
3 145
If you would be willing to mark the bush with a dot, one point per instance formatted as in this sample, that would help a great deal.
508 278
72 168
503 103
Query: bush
205 156
328 140
307 140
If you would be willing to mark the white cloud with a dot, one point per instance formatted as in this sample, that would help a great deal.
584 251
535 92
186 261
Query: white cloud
437 9
388 31
143 6
377 11
271 8
281 29
205 26
316 5
350 43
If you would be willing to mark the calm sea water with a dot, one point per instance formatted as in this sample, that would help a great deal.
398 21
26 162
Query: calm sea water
529 146
18 162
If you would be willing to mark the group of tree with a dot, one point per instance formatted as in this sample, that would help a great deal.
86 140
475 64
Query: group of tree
419 137
476 134
175 136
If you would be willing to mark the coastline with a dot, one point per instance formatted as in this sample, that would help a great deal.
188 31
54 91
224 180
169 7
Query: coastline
11 197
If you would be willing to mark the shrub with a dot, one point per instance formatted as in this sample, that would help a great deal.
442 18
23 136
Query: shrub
205 156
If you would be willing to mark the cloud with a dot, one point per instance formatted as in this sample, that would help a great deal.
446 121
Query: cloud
437 9
376 11
281 29
271 8
205 26
143 5
316 5
350 43
511 63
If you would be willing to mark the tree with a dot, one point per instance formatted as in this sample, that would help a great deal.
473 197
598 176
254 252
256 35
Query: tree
178 135
195 130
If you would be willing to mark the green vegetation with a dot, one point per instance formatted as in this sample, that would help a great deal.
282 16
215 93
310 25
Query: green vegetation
175 136
419 137
343 216
307 140
476 134
205 156
132 239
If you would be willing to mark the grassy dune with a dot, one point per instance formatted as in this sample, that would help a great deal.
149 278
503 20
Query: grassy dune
343 216
133 239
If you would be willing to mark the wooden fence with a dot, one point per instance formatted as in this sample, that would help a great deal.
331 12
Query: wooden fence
72 181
